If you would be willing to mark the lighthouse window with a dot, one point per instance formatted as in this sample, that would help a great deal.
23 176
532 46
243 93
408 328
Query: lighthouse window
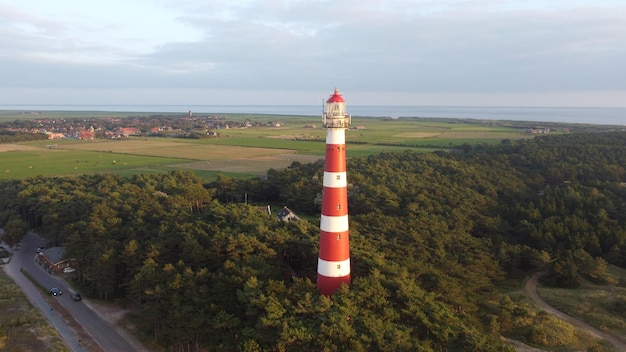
338 206
338 177
338 237
338 266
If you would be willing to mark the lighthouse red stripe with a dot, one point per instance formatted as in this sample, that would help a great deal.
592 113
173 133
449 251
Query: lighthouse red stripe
335 201
335 158
334 246
327 285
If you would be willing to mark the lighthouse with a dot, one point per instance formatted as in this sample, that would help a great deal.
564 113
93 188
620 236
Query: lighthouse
333 264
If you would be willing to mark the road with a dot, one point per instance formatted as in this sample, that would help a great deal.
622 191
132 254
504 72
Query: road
531 289
80 327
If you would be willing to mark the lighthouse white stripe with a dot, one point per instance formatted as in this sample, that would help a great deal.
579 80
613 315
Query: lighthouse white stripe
334 223
335 179
335 136
333 269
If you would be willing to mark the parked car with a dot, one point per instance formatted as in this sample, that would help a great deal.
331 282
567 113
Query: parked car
69 269
76 296
56 292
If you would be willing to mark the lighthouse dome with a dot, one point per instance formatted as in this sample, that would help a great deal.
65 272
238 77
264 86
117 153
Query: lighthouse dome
336 97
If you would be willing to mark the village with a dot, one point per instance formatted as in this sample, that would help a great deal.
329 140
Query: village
187 126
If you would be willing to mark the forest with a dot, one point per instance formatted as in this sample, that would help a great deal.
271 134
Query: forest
433 235
14 137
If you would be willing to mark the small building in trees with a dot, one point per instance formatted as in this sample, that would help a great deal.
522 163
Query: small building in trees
286 215
54 260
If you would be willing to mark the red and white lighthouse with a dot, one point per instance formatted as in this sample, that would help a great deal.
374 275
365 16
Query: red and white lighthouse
333 264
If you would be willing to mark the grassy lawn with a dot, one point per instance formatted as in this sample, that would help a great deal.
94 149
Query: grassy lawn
528 316
602 306
238 152
44 162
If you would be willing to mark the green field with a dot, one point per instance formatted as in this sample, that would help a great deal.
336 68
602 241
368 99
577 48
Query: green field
238 152
602 306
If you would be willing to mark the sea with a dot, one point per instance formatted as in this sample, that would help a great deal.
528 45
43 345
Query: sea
585 115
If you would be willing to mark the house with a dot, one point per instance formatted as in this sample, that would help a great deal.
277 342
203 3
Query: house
53 260
55 135
129 131
538 130
286 215
123 132
87 135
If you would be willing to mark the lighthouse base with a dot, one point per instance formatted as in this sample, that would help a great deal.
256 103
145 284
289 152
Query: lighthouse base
327 285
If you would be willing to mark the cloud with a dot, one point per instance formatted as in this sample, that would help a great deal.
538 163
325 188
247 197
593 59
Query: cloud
399 46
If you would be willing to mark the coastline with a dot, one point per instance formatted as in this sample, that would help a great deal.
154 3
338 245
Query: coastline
584 115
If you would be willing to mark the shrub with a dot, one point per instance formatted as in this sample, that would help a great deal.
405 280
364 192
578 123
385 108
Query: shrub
548 330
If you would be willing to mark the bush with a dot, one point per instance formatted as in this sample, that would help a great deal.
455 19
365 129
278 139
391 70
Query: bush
548 330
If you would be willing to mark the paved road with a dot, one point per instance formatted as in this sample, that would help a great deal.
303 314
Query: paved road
531 289
94 327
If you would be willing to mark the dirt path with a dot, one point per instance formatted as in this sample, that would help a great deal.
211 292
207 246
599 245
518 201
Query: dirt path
112 313
531 289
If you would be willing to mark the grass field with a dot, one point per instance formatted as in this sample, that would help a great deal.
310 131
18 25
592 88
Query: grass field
239 152
602 306
578 303
41 161
594 304
132 156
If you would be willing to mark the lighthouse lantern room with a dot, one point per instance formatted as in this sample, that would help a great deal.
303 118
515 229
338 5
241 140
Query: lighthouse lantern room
335 115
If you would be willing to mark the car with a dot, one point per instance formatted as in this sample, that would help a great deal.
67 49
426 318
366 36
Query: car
76 296
56 291
69 269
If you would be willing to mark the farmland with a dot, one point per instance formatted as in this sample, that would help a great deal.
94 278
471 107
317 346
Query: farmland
240 152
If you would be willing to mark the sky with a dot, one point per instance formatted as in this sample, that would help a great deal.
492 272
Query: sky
295 52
